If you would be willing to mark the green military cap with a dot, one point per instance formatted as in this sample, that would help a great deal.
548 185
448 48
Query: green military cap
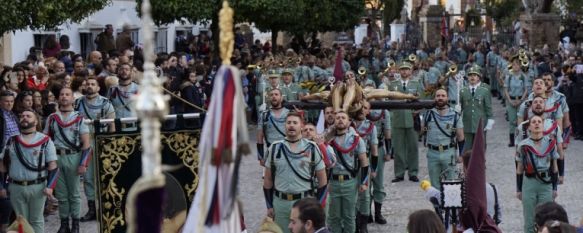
273 74
406 65
475 70
287 71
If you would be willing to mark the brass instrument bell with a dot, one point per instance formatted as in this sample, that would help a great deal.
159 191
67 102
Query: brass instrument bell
452 70
391 64
412 58
361 70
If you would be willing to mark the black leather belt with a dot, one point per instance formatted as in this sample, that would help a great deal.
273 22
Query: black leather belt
66 151
440 148
341 177
129 125
28 182
292 197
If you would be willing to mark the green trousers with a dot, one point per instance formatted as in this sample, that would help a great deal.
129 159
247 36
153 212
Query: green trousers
512 117
89 181
534 192
469 140
342 206
378 184
67 190
437 163
29 201
282 209
406 151
363 201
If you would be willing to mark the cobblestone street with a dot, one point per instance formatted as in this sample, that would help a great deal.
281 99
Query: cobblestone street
405 197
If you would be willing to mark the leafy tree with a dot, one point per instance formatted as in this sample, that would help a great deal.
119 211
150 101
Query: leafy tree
392 11
503 11
35 14
294 16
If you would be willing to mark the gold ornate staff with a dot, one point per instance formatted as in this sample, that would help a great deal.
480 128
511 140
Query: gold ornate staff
146 195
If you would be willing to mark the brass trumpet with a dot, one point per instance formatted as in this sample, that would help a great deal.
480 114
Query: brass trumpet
362 70
523 57
522 52
452 70
391 64
412 58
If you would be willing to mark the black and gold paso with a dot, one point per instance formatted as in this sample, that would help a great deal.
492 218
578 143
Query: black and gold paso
119 165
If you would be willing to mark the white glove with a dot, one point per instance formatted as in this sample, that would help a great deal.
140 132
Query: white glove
489 125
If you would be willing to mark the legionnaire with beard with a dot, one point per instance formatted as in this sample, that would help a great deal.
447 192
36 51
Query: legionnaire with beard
121 96
350 150
71 138
291 167
550 126
93 106
367 132
33 170
444 133
271 125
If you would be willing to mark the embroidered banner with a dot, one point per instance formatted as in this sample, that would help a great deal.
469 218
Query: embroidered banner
118 166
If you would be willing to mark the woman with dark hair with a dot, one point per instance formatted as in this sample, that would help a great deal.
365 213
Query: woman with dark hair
51 47
78 86
425 221
23 101
190 90
37 102
49 103
64 42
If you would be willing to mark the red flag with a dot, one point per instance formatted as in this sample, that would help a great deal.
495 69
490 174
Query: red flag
444 27
476 216
338 69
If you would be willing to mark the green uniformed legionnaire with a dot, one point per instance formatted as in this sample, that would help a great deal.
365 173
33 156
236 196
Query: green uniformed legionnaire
531 72
382 121
444 138
309 132
491 68
515 93
33 170
290 169
121 96
93 106
273 82
536 158
352 164
476 102
291 91
71 138
367 132
271 124
404 134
